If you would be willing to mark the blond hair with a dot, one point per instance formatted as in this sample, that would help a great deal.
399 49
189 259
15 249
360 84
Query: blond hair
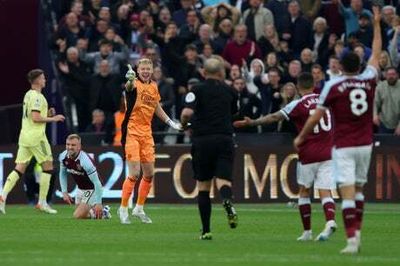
74 136
145 61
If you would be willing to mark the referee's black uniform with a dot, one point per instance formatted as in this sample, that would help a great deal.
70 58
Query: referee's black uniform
214 103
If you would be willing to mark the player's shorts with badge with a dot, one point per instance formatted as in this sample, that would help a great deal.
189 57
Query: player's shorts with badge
319 174
85 196
351 164
41 152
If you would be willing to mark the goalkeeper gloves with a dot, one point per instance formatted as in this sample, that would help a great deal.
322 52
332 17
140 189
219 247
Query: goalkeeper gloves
174 125
130 75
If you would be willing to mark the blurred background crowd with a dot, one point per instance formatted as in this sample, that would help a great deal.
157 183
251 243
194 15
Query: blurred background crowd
265 45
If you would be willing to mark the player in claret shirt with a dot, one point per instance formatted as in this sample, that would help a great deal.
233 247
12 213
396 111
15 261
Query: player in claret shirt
78 164
314 165
350 99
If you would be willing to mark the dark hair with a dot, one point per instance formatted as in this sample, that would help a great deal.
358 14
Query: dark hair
34 74
305 81
391 68
274 69
105 42
317 66
191 47
350 62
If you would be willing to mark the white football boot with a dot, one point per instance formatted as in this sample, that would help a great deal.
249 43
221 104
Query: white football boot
47 209
306 236
123 215
330 228
141 215
352 247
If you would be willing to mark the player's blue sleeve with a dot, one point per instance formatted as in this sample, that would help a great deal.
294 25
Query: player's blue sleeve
91 171
63 175
98 188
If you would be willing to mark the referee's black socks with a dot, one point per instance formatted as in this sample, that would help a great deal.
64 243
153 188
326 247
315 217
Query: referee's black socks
226 193
204 204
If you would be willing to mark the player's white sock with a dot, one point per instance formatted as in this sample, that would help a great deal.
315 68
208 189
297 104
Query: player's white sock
139 208
92 215
42 202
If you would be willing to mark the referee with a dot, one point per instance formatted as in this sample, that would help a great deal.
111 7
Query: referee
210 106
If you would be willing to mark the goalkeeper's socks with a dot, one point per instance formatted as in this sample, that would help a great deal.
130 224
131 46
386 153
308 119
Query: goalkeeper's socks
329 208
305 213
204 204
127 189
359 209
144 189
349 217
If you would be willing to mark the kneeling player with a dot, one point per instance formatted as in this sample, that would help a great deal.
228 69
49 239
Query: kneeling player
78 164
314 155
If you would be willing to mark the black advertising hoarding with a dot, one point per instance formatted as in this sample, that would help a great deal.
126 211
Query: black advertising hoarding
264 171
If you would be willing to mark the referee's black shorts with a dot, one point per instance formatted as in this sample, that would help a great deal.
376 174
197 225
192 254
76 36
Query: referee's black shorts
212 156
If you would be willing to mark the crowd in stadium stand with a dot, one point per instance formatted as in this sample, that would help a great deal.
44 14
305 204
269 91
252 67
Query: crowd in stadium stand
265 45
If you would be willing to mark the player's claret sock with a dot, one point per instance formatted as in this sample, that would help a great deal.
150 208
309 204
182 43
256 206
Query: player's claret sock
359 210
329 209
127 189
349 217
226 195
305 214
204 205
328 205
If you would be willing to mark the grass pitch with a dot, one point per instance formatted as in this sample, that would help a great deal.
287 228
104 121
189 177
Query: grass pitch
266 235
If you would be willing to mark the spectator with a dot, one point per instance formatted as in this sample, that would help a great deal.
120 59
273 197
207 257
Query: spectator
310 8
289 93
256 72
240 47
394 47
271 97
384 63
234 73
269 42
351 14
76 79
330 12
255 18
96 33
365 31
224 33
294 70
179 16
77 9
114 59
116 41
105 91
71 31
164 17
334 68
306 59
122 20
280 12
214 15
188 31
248 104
320 41
204 37
272 61
319 78
387 104
98 126
298 30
